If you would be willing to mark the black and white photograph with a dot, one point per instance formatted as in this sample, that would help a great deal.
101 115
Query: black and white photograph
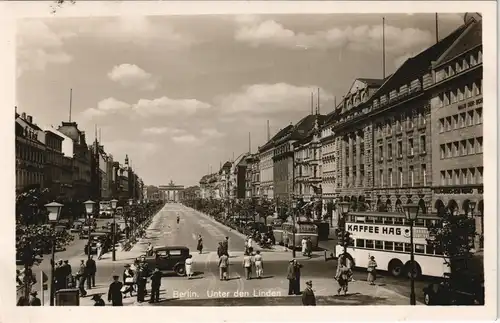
253 159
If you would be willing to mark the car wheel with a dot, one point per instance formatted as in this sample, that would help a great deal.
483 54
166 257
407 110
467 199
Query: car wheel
428 299
180 270
396 268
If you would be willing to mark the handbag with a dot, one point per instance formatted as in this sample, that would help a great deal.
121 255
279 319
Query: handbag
129 280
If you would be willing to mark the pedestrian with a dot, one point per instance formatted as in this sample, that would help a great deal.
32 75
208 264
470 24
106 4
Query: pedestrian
128 280
259 265
199 247
34 300
250 243
149 250
304 246
69 274
225 245
293 276
220 249
189 266
99 249
141 285
247 264
342 277
308 298
115 292
59 275
91 271
155 285
82 277
309 247
372 270
223 267
98 301
297 276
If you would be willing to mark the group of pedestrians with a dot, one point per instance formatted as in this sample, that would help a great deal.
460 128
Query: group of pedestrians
253 261
306 247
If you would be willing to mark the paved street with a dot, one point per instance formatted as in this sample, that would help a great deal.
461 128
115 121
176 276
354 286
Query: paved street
164 231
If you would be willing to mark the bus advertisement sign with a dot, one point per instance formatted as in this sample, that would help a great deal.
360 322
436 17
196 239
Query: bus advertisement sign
418 233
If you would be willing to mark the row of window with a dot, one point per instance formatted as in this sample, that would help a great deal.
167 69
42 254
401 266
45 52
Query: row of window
406 123
462 148
396 246
461 120
29 153
389 220
463 176
390 180
25 178
460 65
460 94
399 148
404 90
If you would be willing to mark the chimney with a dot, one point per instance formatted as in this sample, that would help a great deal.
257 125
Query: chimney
23 115
29 119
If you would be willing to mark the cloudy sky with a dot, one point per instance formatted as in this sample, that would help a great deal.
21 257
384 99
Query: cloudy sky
180 93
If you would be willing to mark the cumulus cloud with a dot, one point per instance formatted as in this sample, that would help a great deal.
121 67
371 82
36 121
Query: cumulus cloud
162 130
132 76
212 133
165 106
269 99
185 139
398 61
134 149
105 107
38 45
358 38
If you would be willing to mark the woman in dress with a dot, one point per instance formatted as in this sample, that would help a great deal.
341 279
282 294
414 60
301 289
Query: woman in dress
199 247
372 271
189 266
259 265
128 280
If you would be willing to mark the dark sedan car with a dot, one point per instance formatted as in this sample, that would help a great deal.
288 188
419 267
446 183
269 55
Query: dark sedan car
456 289
168 259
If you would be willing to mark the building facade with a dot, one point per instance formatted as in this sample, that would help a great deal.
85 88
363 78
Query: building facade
54 167
30 153
252 176
457 126
266 170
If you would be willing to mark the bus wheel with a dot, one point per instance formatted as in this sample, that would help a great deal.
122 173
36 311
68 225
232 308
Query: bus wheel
395 267
416 272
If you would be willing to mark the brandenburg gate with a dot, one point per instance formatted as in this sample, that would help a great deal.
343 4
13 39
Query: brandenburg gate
170 192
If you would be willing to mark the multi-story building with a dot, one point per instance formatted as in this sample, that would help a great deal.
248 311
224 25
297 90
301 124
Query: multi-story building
30 153
283 156
54 156
237 182
224 181
81 160
457 125
66 193
111 188
252 176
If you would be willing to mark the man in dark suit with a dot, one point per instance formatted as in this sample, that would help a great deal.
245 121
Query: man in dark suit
91 270
115 292
308 298
225 246
155 285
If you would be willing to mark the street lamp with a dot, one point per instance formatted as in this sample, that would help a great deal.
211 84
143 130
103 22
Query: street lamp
54 210
113 207
131 202
294 206
89 207
344 210
411 213
472 206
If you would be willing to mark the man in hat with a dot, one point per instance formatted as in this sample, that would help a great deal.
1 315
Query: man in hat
91 271
82 277
98 300
308 298
225 246
34 300
115 292
155 285
293 276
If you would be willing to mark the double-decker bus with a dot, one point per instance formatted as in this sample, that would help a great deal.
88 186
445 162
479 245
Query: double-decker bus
303 229
386 236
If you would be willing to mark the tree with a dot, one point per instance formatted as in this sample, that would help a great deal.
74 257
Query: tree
452 237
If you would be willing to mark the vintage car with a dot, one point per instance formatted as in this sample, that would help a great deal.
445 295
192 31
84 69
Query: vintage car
456 289
167 259
76 227
105 239
84 232
65 222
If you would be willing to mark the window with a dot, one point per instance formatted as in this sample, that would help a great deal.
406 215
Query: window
473 60
381 177
441 125
379 244
463 176
471 147
388 245
470 118
410 146
424 174
407 247
442 149
446 99
456 177
398 246
370 244
479 57
449 177
412 182
423 144
471 176
460 94
463 148
480 175
400 171
455 121
453 96
400 148
379 219
468 92
360 243
479 114
419 248
462 118
479 146
389 150
381 152
390 177
455 149
448 123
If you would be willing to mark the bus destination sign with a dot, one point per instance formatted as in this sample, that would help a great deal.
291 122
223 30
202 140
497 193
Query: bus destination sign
418 233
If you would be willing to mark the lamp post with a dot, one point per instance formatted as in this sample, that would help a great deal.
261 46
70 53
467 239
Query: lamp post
344 210
113 207
472 206
294 206
54 210
411 213
89 207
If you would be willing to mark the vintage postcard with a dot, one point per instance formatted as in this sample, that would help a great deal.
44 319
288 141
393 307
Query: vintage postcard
227 155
